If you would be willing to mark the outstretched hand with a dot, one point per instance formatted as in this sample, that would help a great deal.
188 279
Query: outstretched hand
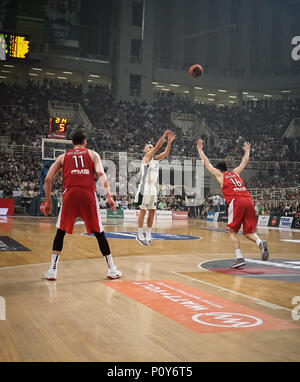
247 146
166 133
171 136
200 144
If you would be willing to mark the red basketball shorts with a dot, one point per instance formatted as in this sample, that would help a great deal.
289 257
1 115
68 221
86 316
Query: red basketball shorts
79 202
241 211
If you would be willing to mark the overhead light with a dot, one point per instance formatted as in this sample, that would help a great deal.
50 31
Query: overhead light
36 69
159 86
50 74
89 81
67 73
222 91
231 101
211 94
5 71
165 89
255 99
285 91
267 95
96 75
210 99
3 77
185 91
8 66
62 78
250 96
174 85
153 83
221 104
196 87
33 74
232 97
245 93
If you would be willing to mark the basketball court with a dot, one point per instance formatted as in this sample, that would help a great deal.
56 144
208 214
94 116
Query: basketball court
178 300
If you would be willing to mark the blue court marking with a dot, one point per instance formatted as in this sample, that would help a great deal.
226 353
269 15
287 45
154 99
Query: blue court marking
155 236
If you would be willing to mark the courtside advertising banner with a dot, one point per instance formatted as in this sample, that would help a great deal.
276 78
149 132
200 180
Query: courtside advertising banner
180 215
286 221
103 213
164 215
274 221
210 216
263 220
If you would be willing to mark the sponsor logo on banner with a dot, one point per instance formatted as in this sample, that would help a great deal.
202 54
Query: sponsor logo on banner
180 215
117 213
296 223
274 221
155 236
3 211
216 217
132 214
286 221
164 215
263 220
197 310
210 216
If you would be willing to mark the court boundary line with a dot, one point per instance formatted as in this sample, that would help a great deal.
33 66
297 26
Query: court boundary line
257 300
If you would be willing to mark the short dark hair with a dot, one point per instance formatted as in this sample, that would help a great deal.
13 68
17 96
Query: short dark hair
222 166
78 137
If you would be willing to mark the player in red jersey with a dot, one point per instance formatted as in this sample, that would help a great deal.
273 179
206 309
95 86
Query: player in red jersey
241 207
79 199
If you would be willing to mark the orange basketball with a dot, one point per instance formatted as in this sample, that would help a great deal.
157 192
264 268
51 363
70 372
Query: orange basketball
196 70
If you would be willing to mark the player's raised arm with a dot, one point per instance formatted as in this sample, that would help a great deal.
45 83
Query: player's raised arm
217 173
53 171
171 137
103 179
245 159
158 145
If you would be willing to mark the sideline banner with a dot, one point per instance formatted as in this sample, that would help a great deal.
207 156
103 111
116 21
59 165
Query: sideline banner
180 215
7 206
286 221
274 221
210 216
263 220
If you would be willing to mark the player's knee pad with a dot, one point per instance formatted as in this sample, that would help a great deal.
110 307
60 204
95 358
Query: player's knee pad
58 240
103 243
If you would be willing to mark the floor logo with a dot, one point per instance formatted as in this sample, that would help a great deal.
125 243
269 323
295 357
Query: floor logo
195 309
155 236
227 320
275 269
9 245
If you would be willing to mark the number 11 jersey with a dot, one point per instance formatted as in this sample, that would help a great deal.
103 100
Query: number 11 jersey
233 187
78 169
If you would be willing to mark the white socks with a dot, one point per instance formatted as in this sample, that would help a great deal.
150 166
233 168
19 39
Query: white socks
110 262
238 254
140 233
54 261
148 233
258 241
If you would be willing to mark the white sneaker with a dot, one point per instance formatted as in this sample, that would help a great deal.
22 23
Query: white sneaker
51 275
113 274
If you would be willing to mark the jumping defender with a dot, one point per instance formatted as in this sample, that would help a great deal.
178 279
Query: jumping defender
146 196
78 166
241 207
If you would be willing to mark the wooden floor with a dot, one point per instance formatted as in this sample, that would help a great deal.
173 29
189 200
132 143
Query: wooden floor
84 317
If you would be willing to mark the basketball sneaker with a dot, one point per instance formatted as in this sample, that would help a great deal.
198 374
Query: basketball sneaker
238 263
149 242
141 241
264 250
51 275
113 273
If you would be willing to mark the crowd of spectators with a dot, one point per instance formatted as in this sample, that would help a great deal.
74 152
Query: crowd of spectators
128 126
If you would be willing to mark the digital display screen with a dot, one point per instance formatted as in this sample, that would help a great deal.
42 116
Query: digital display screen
14 46
57 127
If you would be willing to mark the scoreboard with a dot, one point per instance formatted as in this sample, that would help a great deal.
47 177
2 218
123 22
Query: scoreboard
14 46
57 127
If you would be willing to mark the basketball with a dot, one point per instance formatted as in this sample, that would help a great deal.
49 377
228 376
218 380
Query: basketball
196 70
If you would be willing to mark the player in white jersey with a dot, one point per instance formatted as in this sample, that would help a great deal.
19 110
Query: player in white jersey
146 196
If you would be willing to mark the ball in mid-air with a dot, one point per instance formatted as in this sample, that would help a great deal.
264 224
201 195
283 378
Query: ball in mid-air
196 70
